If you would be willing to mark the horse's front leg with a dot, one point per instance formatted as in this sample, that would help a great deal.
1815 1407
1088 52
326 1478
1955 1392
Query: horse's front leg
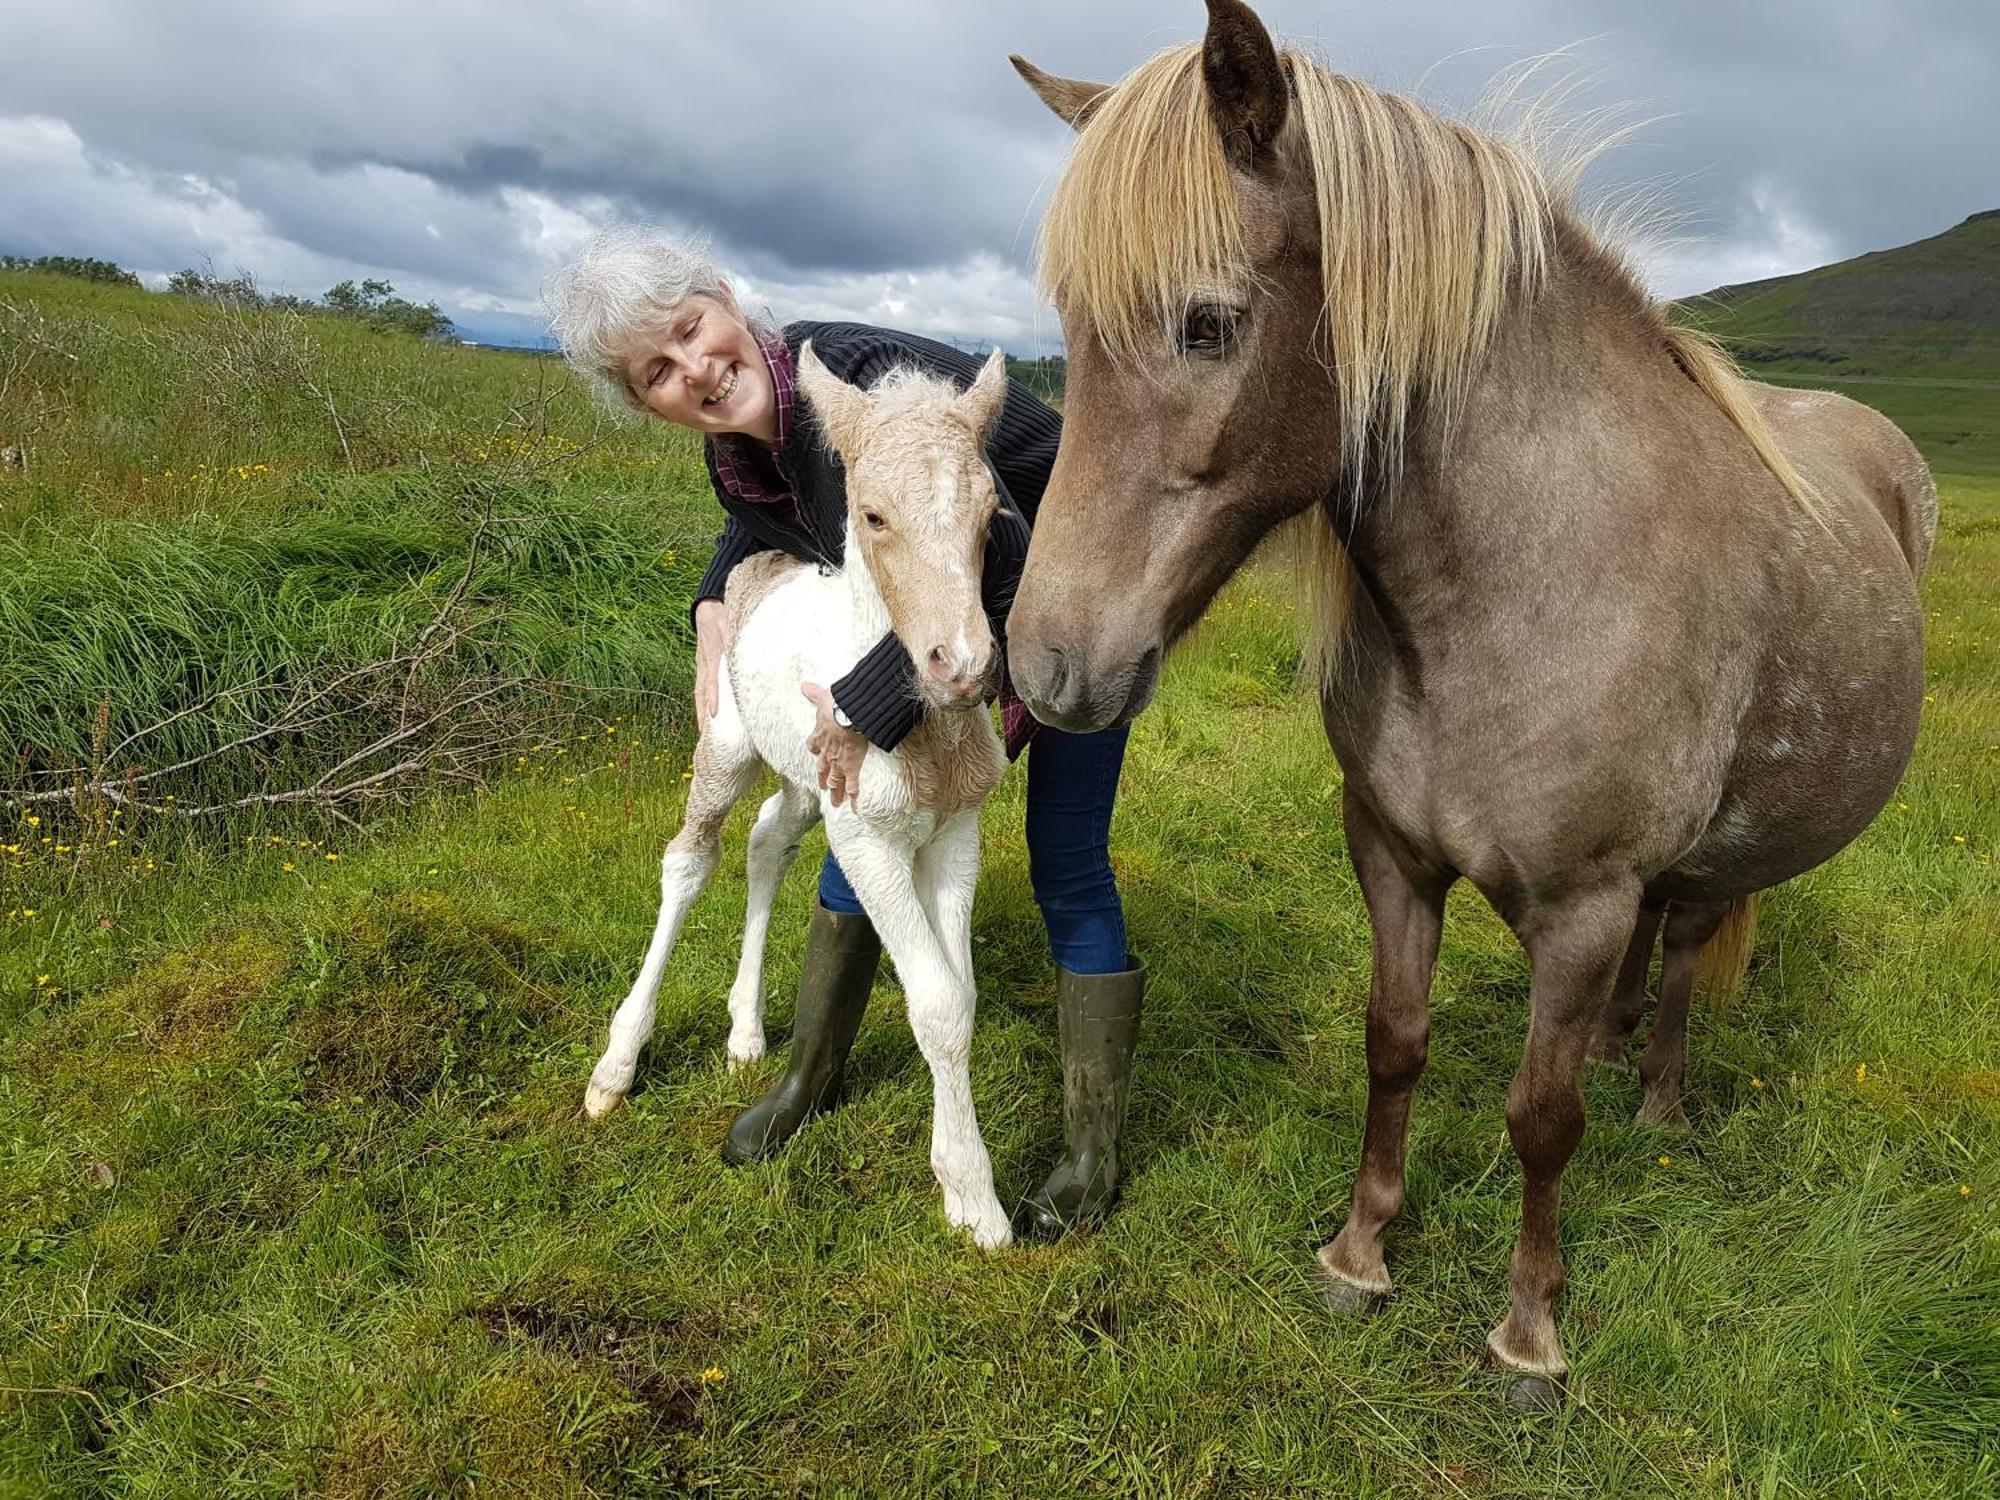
940 1005
1575 946
1664 1065
1628 995
947 875
1405 915
774 844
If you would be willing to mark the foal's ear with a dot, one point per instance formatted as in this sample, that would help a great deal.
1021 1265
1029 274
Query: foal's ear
840 407
981 403
1246 83
1071 98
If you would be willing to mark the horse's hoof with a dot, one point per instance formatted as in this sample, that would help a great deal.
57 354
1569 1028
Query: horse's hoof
1349 1300
1535 1393
1664 1114
597 1102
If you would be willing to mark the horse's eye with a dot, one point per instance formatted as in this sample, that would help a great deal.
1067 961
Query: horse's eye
1208 328
875 522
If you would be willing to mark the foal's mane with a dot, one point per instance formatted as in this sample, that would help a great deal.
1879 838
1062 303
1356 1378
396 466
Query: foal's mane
1429 230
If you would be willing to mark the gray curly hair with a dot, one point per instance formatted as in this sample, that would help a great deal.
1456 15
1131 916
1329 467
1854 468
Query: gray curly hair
627 282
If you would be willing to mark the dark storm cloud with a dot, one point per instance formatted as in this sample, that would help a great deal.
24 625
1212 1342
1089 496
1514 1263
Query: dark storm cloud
876 157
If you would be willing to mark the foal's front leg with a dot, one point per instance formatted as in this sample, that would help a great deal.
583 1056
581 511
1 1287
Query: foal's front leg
1575 947
1405 914
940 1005
947 875
774 844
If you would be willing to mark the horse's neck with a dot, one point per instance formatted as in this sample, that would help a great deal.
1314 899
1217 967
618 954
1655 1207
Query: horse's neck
869 612
1535 464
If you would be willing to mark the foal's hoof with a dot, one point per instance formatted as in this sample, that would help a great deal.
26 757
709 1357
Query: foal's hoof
599 1102
1535 1393
1349 1300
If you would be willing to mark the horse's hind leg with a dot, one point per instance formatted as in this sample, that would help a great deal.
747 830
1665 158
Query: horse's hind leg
1406 914
1628 995
1575 947
774 844
725 765
1664 1066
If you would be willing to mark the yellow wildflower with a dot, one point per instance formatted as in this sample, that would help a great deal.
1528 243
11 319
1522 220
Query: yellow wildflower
331 858
714 1375
289 867
33 821
1965 1190
1861 1073
41 979
1666 1161
1756 1082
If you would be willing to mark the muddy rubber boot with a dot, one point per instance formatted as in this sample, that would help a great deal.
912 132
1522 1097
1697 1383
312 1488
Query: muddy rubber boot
1099 1019
834 979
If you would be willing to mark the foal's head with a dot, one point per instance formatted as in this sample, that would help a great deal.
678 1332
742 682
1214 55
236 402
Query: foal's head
919 497
1260 267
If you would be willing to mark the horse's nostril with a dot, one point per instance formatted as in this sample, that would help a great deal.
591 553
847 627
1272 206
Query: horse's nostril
1058 671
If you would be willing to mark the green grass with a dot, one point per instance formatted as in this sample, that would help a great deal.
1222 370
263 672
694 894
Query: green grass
295 1196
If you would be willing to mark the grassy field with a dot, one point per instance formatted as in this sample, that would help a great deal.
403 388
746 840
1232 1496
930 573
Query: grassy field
295 1196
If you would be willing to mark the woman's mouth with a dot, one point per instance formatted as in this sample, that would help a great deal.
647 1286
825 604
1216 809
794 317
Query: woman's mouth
726 389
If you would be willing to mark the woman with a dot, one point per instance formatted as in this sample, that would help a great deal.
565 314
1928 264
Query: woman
653 324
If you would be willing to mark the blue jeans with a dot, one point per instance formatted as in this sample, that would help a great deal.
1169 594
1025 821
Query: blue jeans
1072 783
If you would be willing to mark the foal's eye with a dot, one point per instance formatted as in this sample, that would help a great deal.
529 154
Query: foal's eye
875 522
1208 328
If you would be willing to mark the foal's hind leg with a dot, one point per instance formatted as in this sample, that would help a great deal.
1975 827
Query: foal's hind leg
1406 913
1664 1066
725 765
1628 995
1575 947
774 844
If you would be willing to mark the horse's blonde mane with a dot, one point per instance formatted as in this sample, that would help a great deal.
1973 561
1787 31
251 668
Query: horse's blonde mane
1430 230
1435 225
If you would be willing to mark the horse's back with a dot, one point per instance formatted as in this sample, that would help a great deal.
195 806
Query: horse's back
1851 449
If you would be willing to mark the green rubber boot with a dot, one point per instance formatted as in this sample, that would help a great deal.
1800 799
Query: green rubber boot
1099 1019
834 979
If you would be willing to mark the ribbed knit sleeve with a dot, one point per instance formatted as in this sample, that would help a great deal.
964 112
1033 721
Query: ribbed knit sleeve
731 548
880 695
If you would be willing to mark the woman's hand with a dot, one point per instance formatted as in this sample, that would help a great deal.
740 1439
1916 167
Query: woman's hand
711 640
840 751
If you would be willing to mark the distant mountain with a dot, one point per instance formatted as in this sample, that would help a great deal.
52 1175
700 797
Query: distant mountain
1927 309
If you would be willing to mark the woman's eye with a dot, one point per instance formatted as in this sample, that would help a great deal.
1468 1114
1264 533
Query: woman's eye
875 522
1208 328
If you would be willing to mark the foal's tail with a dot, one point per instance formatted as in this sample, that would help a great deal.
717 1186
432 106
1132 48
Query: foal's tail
1725 958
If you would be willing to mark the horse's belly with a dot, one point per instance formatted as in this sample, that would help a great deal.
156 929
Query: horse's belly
1811 772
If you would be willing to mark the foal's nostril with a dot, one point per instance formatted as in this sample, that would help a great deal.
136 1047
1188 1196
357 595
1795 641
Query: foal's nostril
936 662
1058 673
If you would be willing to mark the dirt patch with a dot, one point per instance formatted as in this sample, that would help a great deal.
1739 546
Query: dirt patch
414 989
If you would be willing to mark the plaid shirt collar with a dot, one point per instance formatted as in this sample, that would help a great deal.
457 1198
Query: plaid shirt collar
747 469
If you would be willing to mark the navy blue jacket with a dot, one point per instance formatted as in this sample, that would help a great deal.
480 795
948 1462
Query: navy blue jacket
880 695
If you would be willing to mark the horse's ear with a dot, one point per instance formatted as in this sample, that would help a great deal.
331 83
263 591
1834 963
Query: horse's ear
1071 98
1246 83
840 407
981 403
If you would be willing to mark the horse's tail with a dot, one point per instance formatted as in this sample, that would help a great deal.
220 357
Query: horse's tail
1324 578
1725 958
1704 361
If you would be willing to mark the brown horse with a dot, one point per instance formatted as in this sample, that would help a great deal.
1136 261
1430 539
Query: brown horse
1622 633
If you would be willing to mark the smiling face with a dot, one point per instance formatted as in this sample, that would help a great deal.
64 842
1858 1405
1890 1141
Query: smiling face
701 368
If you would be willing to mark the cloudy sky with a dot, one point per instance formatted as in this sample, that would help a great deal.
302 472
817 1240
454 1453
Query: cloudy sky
878 159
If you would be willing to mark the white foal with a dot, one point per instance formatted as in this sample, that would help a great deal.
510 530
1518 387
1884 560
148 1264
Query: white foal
919 498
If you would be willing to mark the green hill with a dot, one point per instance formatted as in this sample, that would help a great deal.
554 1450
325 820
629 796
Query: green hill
1929 309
